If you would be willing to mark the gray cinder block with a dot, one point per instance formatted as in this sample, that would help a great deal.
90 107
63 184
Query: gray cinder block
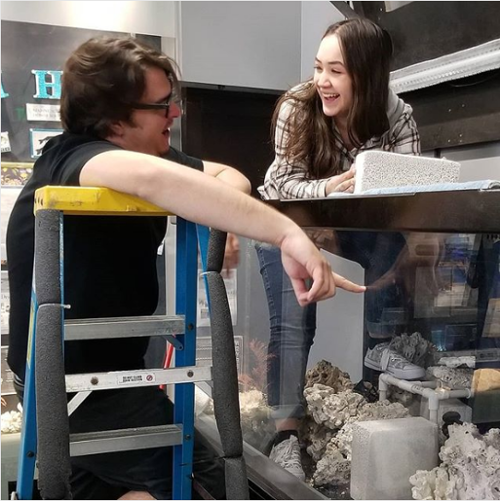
386 453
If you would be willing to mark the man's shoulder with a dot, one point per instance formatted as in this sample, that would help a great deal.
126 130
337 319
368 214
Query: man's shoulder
64 157
180 157
67 140
67 143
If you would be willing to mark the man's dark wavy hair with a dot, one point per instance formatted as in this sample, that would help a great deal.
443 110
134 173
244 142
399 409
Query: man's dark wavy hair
101 80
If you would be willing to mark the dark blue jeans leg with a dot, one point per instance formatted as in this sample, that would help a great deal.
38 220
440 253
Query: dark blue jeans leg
376 252
292 334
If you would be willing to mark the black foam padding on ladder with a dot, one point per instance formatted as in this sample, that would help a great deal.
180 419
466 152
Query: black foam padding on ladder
52 407
53 457
216 249
236 478
47 257
224 371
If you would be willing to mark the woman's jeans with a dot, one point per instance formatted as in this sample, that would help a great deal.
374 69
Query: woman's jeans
292 335
293 327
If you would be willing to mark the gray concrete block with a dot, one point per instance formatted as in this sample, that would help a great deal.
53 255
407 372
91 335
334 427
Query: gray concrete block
386 453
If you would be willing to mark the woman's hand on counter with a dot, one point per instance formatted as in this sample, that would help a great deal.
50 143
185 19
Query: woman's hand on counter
342 183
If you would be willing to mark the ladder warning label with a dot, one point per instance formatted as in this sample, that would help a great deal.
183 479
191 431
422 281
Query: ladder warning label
145 377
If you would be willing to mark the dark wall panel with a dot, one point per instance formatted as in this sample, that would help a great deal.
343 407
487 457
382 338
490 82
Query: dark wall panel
459 112
231 126
426 30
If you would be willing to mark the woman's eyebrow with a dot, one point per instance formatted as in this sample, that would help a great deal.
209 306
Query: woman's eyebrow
329 62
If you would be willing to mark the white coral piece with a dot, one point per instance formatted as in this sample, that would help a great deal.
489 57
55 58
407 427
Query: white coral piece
455 379
382 410
470 467
12 422
319 437
343 441
455 362
332 468
253 409
332 409
434 484
255 422
492 438
328 375
413 347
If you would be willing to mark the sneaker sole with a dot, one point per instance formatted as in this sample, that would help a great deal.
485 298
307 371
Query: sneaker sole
408 375
372 365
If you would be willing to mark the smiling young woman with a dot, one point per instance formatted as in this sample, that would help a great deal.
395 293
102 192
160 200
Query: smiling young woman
320 126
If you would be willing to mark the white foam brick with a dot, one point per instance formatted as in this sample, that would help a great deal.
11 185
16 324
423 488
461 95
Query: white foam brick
387 452
381 169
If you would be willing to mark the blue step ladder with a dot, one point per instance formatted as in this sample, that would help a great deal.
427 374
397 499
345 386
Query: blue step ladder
45 437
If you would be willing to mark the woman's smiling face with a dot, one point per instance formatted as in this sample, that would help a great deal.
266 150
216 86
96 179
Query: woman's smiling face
333 82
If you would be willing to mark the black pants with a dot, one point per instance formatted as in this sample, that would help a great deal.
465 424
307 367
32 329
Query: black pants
109 476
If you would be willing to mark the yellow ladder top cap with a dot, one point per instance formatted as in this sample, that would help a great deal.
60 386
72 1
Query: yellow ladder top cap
94 201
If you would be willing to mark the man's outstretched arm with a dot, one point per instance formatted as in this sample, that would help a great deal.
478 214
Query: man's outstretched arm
206 200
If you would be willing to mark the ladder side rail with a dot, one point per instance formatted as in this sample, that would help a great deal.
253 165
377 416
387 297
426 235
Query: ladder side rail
28 445
186 304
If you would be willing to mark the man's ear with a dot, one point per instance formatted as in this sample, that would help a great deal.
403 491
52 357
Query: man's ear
116 129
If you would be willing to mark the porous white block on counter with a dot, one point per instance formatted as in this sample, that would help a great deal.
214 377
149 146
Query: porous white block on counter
386 453
381 169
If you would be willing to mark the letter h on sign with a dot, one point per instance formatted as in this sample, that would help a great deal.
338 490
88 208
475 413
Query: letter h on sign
43 86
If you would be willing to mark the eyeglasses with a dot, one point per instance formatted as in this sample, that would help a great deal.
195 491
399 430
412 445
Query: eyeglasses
154 106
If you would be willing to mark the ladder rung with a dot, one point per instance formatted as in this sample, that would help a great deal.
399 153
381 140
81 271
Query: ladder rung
132 379
84 444
123 327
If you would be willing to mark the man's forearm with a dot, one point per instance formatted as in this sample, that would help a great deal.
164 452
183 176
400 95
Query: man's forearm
211 202
188 193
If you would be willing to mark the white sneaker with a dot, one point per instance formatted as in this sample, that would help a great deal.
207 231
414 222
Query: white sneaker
287 455
382 358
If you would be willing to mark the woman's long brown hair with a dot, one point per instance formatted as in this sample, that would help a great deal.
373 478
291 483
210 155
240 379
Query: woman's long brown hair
367 51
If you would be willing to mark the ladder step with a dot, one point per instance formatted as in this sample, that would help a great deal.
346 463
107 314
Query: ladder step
136 378
123 327
85 444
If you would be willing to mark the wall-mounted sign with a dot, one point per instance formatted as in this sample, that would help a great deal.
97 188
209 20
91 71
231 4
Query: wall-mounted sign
39 138
5 142
42 112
